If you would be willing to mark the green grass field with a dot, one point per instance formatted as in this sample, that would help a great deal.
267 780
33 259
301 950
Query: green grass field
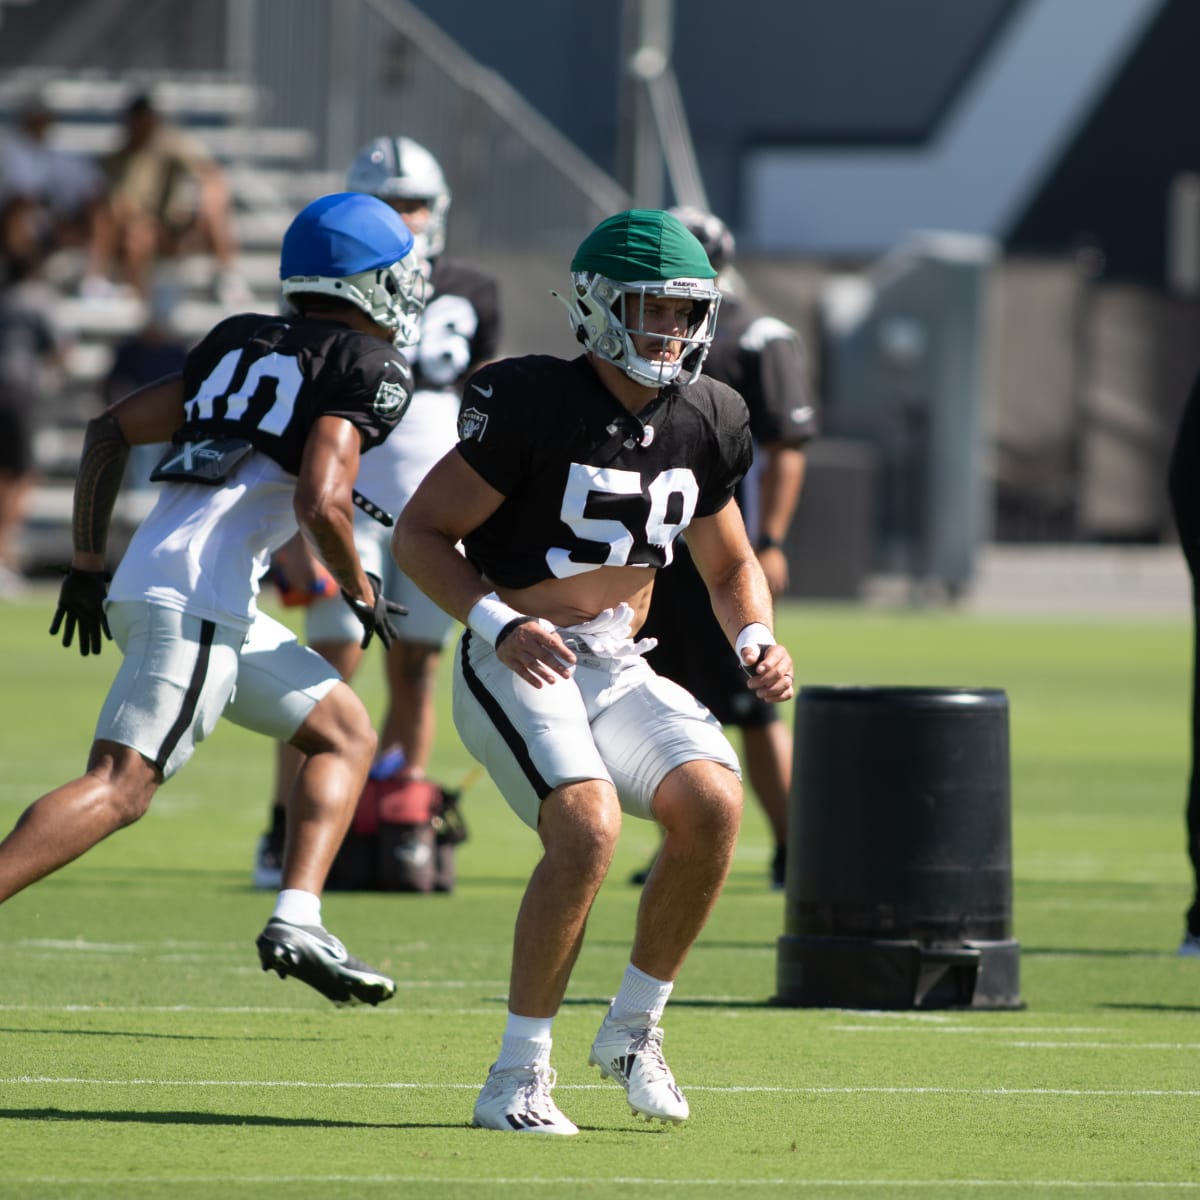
145 1054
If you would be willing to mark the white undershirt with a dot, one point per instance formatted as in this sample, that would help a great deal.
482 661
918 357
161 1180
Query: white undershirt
202 550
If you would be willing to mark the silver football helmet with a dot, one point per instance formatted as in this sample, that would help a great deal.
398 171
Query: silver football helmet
606 314
710 231
627 259
397 168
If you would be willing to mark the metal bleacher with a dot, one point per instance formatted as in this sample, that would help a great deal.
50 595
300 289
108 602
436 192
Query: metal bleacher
284 91
270 175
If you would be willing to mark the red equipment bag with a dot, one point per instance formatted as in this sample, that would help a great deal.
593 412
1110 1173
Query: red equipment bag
402 839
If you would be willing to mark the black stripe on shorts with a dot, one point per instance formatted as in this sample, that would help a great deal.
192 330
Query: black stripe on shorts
191 697
499 718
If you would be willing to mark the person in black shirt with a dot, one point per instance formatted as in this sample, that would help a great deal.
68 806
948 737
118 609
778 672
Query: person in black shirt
267 423
763 360
1183 486
569 487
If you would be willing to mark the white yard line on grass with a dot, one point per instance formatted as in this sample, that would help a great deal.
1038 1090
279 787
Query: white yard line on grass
53 1080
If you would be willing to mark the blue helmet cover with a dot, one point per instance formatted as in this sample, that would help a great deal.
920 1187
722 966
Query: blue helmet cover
343 234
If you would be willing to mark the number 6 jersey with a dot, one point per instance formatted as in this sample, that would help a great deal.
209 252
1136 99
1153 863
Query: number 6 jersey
203 549
586 483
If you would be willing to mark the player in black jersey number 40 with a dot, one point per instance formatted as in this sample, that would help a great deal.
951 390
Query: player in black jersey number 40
268 421
459 332
569 485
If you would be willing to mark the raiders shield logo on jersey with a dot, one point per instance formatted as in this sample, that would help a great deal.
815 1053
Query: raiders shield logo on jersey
390 397
471 424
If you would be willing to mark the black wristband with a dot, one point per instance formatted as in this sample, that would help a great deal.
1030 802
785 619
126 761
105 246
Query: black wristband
750 668
507 629
767 542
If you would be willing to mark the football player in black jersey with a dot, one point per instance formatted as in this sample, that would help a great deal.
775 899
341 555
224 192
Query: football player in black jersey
460 332
268 420
763 360
1183 488
568 488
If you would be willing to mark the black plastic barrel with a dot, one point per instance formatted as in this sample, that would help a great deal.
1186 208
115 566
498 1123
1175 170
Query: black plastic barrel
899 870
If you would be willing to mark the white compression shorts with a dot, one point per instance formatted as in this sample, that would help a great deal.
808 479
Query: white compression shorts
614 719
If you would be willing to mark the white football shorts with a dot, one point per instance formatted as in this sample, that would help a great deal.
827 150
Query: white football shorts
614 719
180 674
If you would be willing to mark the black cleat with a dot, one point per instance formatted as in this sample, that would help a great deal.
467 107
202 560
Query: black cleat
314 956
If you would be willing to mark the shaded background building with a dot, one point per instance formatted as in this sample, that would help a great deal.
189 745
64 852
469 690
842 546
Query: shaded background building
1051 134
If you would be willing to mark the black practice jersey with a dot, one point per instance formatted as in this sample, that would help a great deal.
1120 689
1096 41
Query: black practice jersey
460 328
268 379
763 359
587 484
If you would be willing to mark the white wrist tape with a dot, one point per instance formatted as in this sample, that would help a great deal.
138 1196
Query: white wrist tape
755 634
489 616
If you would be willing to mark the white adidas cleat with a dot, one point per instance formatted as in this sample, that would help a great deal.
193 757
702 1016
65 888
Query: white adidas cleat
632 1055
1190 946
518 1100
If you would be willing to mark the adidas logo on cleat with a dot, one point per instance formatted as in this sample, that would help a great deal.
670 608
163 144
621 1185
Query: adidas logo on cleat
623 1065
527 1120
631 1054
517 1099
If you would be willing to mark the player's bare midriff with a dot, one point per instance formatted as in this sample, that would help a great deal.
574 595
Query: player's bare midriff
579 598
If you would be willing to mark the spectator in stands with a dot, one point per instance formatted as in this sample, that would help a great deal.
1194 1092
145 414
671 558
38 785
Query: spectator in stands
165 196
48 196
764 360
32 349
460 331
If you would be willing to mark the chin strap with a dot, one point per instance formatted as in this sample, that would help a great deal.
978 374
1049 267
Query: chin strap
572 317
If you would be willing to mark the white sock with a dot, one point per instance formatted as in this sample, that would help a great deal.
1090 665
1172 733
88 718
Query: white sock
297 907
526 1042
640 995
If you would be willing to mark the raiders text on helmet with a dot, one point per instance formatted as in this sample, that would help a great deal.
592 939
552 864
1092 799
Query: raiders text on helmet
624 260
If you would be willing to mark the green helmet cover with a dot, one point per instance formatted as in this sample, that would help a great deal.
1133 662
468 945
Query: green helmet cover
640 245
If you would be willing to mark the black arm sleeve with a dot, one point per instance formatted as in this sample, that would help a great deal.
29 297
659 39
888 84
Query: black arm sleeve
101 469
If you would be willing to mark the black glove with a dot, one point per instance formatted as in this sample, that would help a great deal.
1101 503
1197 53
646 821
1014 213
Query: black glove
81 602
377 617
